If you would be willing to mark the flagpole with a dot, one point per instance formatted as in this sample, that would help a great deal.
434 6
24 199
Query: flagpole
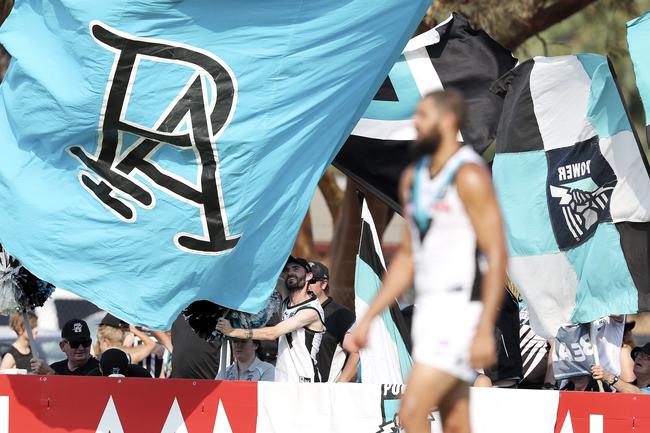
594 349
30 334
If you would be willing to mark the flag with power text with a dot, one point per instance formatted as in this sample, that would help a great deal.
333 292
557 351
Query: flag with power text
159 152
574 187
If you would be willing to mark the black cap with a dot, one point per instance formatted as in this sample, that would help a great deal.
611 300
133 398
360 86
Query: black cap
114 361
645 349
110 320
320 271
75 330
300 261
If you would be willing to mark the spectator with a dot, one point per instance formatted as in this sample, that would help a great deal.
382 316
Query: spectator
115 363
20 354
584 383
112 332
627 363
192 356
75 343
641 357
338 320
300 331
247 366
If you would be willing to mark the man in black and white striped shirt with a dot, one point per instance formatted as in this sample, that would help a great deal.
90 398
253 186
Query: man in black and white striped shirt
300 331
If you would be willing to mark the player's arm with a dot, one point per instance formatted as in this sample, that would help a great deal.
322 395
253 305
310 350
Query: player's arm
398 279
301 319
479 198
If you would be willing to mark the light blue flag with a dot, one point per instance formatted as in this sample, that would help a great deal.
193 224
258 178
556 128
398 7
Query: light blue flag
638 35
159 152
387 357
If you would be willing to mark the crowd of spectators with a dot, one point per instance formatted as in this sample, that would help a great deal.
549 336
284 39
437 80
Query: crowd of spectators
123 350
305 337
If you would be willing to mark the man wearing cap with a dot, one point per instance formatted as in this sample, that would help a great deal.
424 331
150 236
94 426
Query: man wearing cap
338 320
641 357
300 331
75 343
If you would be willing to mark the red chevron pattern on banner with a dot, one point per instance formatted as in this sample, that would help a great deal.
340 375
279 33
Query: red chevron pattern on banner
96 404
591 412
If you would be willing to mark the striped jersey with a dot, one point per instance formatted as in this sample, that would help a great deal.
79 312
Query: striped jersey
444 245
297 350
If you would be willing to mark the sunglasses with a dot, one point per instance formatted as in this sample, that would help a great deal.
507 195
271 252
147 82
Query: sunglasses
76 344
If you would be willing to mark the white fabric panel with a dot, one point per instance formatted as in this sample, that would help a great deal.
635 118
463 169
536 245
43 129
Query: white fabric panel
323 408
496 410
560 89
380 359
385 129
552 284
630 199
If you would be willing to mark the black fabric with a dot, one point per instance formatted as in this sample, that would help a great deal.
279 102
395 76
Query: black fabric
132 370
518 128
338 320
509 363
466 60
477 287
61 368
635 243
193 357
592 386
22 361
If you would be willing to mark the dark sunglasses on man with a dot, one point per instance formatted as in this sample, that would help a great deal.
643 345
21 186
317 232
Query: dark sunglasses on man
77 343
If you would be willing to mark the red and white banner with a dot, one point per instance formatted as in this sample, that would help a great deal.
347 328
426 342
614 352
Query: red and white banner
38 404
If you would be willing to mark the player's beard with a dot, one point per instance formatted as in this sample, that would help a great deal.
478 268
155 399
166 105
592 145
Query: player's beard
426 145
294 282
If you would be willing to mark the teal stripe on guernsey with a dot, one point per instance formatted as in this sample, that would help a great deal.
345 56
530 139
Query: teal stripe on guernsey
602 270
407 92
366 286
520 182
638 35
604 110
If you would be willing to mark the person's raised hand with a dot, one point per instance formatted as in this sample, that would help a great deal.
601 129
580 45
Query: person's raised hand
224 326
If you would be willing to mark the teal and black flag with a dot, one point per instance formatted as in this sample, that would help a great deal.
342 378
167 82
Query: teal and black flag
453 55
574 187
387 357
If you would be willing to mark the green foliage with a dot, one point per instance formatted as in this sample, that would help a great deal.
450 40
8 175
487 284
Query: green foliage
600 29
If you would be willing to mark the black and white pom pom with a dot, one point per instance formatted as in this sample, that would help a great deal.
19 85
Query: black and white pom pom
202 316
19 288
